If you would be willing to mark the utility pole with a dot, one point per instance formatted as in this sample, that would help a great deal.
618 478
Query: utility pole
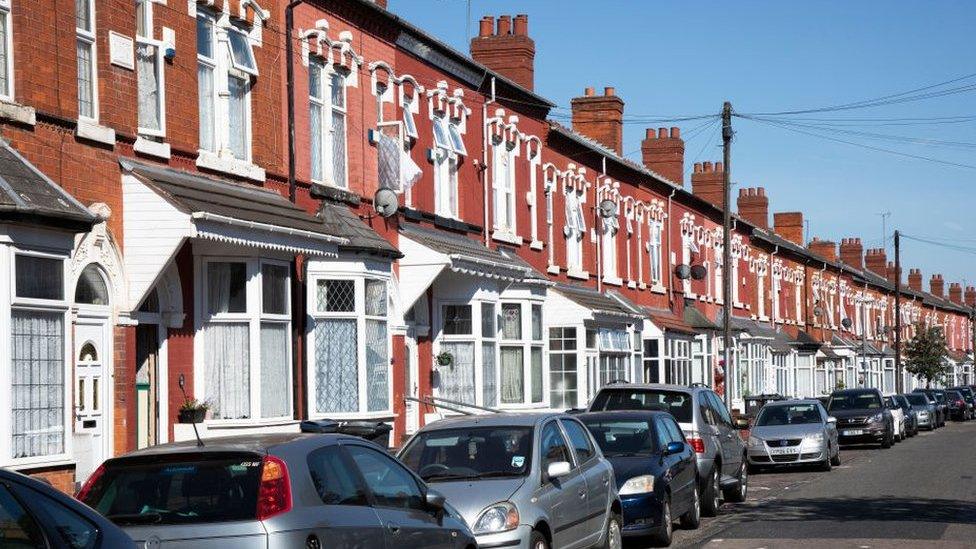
899 375
727 269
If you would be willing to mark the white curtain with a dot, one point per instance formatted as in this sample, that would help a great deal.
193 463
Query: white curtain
275 374
513 376
377 365
489 375
205 80
37 383
536 371
218 287
456 382
511 321
338 148
86 106
228 368
148 86
237 117
336 366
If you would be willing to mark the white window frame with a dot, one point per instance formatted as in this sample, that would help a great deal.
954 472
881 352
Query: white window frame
527 344
253 316
8 25
210 64
158 46
237 31
446 163
655 251
409 121
679 361
608 243
503 186
566 333
86 38
327 135
575 230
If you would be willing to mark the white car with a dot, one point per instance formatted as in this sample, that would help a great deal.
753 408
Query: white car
898 417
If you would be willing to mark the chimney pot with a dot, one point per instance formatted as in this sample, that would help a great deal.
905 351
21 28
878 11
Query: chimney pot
649 133
521 25
609 91
719 167
504 25
589 92
487 26
707 166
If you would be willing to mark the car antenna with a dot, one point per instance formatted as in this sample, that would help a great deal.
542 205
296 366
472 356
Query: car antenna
195 432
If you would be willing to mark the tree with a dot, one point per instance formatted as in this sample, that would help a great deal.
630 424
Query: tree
925 354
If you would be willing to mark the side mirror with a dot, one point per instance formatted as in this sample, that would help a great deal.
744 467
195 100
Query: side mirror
742 423
832 420
674 448
557 469
434 500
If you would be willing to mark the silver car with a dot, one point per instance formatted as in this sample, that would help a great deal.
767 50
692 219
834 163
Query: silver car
273 491
521 480
794 432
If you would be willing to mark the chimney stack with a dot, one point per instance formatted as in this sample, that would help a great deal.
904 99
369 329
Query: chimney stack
380 3
707 181
789 225
876 261
508 51
937 285
852 252
663 152
754 206
955 293
893 277
915 279
600 117
971 296
824 248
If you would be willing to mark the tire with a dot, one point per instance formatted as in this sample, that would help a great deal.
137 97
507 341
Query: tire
538 541
711 494
886 441
614 538
835 461
753 469
826 465
739 492
692 519
661 536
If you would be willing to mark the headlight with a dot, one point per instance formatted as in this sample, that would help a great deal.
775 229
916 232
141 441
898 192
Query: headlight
638 485
500 517
755 442
876 418
816 437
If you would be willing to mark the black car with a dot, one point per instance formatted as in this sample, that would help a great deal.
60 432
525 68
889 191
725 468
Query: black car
36 515
941 411
958 407
862 417
969 396
911 414
654 467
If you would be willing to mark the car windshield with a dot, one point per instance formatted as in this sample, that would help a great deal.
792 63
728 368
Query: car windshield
854 401
902 402
470 452
676 403
181 489
940 397
622 437
792 414
921 399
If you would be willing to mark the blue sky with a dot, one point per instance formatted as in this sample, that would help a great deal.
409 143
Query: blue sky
673 58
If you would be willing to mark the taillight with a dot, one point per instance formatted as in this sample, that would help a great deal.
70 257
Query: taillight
274 493
960 403
697 444
92 479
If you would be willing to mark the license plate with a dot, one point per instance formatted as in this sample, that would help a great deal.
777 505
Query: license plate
853 432
783 451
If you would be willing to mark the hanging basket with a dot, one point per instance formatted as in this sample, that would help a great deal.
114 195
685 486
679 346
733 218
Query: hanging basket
445 359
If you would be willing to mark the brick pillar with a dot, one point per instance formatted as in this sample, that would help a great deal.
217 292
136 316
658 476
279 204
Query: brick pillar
789 225
124 428
754 206
508 51
852 252
971 296
707 181
600 117
399 389
663 152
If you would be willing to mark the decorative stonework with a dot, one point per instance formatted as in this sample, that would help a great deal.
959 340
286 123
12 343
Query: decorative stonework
98 246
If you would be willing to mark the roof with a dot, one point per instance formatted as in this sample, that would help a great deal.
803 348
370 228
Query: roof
29 196
462 248
668 321
235 443
840 341
751 327
339 219
783 342
807 342
621 414
697 319
593 300
958 356
504 419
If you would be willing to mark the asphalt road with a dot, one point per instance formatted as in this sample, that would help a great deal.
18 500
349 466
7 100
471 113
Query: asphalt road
920 493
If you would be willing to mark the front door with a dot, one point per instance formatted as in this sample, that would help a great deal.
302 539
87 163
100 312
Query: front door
147 385
90 390
411 383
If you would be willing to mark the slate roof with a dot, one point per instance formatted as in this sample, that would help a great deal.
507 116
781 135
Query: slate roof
339 219
697 319
456 245
751 327
29 196
669 322
783 342
593 300
807 342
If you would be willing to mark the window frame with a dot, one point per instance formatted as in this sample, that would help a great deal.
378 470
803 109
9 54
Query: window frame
210 64
528 345
503 184
8 25
326 131
234 30
157 45
575 229
87 38
563 353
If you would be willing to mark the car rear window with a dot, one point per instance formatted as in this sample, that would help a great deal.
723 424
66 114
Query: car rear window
470 453
854 401
918 399
677 403
188 489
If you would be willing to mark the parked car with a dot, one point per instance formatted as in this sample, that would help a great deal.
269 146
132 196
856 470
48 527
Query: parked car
655 470
521 480
911 415
794 432
270 491
34 514
969 397
706 423
941 410
897 417
958 407
862 417
924 407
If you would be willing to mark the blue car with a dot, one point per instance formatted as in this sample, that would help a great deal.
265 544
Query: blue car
654 467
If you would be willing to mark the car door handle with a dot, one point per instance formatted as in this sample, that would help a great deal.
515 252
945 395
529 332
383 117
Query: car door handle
582 494
393 528
606 480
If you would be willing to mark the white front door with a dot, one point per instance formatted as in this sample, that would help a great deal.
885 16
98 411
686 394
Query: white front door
90 392
411 381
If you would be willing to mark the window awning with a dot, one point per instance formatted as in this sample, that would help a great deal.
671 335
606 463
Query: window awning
751 327
428 252
600 304
669 322
30 197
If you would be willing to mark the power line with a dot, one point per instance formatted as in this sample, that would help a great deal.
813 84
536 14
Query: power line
872 135
954 247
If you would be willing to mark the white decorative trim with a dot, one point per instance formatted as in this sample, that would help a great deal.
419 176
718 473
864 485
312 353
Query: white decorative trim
98 246
536 245
613 280
152 148
552 269
507 237
87 129
230 166
579 275
18 113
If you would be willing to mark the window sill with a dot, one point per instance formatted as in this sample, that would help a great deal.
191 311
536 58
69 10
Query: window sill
536 245
632 285
642 286
230 165
93 131
18 113
613 280
658 289
552 269
149 147
506 237
578 275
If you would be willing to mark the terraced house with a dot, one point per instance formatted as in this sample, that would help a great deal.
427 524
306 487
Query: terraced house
380 222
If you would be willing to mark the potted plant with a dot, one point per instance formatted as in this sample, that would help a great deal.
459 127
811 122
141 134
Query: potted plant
193 411
445 359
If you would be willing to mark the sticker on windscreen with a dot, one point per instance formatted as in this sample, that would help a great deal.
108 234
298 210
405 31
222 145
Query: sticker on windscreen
518 461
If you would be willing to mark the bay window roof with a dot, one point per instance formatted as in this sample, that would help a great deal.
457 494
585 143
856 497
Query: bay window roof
29 196
598 302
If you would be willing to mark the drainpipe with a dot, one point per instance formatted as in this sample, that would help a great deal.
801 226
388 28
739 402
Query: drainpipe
597 219
773 311
484 156
670 266
290 89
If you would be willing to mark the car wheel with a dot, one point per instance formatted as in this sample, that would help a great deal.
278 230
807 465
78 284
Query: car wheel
661 536
835 461
614 539
886 441
692 518
710 498
738 492
753 468
538 541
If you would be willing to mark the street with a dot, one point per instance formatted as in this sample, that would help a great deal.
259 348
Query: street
921 491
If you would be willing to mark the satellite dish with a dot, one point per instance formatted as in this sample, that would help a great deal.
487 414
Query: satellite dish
846 323
608 208
818 311
385 202
698 272
683 272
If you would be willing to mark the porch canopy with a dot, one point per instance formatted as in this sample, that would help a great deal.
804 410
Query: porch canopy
27 196
165 206
669 322
754 329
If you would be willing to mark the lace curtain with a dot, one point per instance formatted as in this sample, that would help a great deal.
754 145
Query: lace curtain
205 84
37 383
336 366
377 364
146 60
228 367
237 117
275 374
536 371
489 375
457 380
512 375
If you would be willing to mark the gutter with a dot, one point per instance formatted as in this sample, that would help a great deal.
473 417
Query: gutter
277 229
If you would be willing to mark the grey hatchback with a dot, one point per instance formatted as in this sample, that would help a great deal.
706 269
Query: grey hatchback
271 491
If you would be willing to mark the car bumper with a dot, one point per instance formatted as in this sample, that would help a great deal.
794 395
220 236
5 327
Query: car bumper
872 432
804 453
642 514
925 421
516 539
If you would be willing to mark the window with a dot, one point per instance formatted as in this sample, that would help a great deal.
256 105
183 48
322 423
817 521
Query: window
238 116
17 524
522 369
580 440
91 288
39 277
752 367
247 343
241 54
552 446
409 123
457 319
503 185
6 52
207 92
489 375
574 231
609 248
335 479
74 530
615 354
563 367
457 142
445 159
654 250
149 73
327 115
391 484
351 372
85 31
652 360
678 364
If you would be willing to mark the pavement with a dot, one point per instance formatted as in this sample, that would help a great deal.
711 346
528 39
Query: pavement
919 493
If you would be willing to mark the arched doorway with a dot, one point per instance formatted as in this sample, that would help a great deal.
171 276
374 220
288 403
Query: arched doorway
92 387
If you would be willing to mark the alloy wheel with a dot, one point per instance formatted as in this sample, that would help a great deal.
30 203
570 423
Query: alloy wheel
614 537
716 489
